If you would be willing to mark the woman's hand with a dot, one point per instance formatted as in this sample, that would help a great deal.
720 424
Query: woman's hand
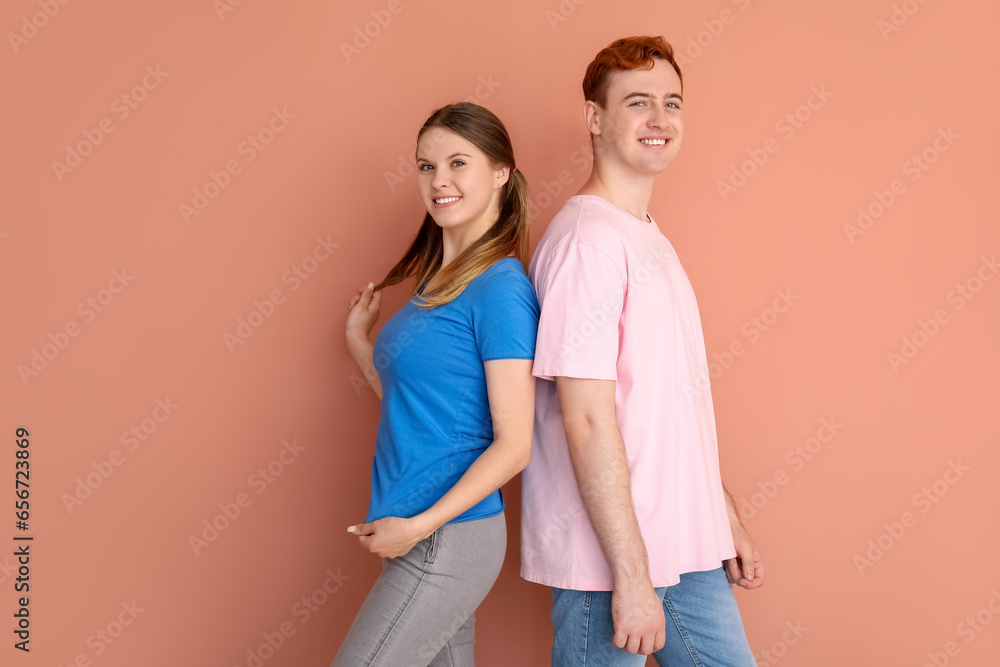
362 314
392 536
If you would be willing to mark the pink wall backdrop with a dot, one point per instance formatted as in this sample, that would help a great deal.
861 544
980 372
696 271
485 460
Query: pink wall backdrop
192 191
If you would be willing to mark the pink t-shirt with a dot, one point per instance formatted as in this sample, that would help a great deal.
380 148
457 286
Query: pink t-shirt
617 305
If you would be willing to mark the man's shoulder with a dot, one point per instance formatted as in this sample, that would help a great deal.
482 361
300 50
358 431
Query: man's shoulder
582 221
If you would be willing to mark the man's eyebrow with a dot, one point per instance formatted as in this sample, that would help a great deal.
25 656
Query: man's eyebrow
652 96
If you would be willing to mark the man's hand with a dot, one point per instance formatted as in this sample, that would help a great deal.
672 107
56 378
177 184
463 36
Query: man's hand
390 537
637 613
747 569
600 464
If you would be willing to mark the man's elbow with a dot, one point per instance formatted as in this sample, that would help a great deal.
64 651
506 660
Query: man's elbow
583 427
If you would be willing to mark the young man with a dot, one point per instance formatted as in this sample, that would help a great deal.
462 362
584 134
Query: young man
624 513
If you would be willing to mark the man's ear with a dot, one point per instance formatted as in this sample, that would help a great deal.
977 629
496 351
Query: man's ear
592 117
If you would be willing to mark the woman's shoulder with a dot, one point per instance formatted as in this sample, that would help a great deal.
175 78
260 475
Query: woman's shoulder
509 264
504 277
506 271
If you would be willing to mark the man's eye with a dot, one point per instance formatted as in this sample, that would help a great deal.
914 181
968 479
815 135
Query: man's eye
635 103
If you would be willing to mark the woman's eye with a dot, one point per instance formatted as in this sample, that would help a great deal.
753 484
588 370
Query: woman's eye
458 163
424 167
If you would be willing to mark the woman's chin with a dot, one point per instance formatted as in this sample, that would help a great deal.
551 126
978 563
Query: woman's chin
445 221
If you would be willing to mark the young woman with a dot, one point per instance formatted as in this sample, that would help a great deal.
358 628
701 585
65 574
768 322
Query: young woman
453 371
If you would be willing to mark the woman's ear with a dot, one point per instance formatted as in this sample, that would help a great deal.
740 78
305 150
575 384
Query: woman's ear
502 175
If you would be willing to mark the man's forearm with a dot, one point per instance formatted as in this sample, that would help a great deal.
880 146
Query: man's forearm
734 516
601 468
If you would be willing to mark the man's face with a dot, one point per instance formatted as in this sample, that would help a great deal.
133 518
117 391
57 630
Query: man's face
641 126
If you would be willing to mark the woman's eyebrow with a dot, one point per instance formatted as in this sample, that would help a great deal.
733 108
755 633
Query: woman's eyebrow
449 157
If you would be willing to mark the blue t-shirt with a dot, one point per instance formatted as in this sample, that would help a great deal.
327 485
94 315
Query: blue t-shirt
435 410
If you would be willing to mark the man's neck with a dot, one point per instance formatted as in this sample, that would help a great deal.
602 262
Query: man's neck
629 192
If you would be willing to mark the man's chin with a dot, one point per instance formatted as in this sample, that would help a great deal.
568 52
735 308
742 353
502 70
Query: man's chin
653 167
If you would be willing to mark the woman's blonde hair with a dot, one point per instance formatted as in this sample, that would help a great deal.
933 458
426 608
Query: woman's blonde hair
508 236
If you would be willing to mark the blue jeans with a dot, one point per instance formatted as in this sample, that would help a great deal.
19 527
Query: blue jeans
704 628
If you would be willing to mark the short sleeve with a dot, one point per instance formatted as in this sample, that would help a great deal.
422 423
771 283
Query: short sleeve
581 293
504 316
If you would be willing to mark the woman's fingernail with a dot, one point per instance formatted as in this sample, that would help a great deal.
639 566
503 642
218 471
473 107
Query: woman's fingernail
371 285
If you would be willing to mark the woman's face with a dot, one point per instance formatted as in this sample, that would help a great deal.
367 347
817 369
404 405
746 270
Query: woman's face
456 181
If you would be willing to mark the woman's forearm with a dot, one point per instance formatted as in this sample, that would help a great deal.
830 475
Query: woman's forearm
494 468
363 353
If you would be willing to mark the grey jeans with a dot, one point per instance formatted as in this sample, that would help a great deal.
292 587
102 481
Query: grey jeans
421 610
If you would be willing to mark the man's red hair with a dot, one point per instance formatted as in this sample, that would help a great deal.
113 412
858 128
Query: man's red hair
624 54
